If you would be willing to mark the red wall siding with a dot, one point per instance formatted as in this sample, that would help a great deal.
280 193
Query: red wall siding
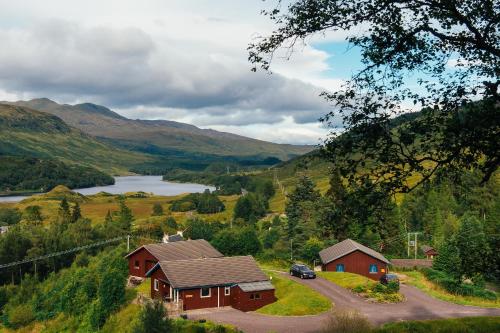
146 262
359 263
241 300
192 298
164 290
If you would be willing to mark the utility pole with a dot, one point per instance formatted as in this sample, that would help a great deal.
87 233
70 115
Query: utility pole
408 243
291 249
128 242
413 243
416 245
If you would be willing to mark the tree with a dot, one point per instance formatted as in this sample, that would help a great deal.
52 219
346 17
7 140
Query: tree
472 247
157 209
311 248
76 213
9 216
197 228
458 127
125 217
64 212
448 259
153 319
299 203
249 207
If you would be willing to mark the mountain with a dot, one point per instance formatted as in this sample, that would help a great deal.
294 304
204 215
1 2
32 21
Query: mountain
161 137
27 132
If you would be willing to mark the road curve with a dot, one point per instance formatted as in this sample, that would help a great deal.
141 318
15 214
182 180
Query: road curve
418 306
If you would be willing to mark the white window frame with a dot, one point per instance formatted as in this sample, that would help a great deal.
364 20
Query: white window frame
227 291
138 266
156 285
209 293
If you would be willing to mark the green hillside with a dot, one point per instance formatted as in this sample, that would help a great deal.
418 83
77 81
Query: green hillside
27 132
161 137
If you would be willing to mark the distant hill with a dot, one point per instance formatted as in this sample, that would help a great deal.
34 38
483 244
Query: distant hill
161 137
27 132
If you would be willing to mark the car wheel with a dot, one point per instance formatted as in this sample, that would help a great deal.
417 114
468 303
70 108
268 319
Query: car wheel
291 273
302 276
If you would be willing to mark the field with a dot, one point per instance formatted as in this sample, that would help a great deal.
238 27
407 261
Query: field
95 207
417 279
461 325
294 299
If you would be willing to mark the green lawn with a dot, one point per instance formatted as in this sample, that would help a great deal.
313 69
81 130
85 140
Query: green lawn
363 286
294 299
417 279
145 287
458 325
346 280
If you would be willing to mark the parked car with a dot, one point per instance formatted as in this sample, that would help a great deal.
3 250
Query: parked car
386 278
302 271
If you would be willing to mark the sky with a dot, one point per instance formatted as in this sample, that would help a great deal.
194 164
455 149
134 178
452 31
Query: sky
181 60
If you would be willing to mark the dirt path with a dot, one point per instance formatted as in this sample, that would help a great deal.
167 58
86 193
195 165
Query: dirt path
417 306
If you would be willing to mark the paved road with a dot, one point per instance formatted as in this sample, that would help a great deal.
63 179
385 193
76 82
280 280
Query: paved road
417 306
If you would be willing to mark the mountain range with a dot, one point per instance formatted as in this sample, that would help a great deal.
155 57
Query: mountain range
93 135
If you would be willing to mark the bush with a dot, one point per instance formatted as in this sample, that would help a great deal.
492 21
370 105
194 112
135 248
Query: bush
379 288
456 287
347 322
392 287
21 315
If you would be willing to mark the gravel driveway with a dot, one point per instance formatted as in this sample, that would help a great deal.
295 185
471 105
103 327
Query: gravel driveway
417 306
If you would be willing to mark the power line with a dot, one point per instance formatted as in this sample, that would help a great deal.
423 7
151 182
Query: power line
55 254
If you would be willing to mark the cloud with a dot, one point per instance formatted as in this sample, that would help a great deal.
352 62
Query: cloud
176 60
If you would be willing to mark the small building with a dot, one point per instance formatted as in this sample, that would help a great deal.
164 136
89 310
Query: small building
4 229
350 256
142 259
429 252
211 283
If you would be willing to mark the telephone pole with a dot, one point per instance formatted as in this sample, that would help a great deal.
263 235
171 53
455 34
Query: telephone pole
413 243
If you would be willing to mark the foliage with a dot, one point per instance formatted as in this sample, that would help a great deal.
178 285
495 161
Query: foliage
42 175
250 207
346 321
294 299
153 319
203 203
364 286
9 216
454 325
311 248
456 286
237 241
157 209
196 228
454 130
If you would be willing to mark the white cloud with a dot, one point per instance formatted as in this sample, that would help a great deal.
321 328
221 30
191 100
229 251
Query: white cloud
177 60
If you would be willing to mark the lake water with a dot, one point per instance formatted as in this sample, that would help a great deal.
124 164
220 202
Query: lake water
149 184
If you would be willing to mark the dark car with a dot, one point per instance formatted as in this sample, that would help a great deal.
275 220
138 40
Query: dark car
386 278
302 271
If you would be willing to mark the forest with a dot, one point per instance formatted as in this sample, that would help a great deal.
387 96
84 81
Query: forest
30 174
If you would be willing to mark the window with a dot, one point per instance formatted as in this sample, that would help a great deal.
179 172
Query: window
373 269
340 268
156 285
227 291
136 264
255 296
205 292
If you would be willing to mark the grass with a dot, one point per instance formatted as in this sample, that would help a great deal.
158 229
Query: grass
362 285
294 299
145 287
417 279
456 325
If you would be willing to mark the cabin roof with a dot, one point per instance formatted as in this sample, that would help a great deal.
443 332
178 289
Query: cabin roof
185 274
346 247
180 250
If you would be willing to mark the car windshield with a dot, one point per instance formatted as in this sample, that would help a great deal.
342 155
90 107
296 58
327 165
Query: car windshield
303 268
391 276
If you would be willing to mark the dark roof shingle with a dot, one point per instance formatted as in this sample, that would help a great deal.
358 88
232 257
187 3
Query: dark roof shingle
181 250
211 271
345 247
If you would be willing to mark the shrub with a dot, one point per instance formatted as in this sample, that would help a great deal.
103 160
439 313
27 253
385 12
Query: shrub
21 315
392 287
359 289
347 322
379 288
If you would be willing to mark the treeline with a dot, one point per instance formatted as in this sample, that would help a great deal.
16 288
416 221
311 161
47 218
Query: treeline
40 175
203 203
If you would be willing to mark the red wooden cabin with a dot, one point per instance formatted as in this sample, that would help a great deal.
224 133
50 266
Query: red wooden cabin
212 282
141 260
350 256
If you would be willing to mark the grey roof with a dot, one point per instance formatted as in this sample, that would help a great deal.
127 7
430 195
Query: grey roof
345 247
427 248
181 250
175 238
194 273
256 286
